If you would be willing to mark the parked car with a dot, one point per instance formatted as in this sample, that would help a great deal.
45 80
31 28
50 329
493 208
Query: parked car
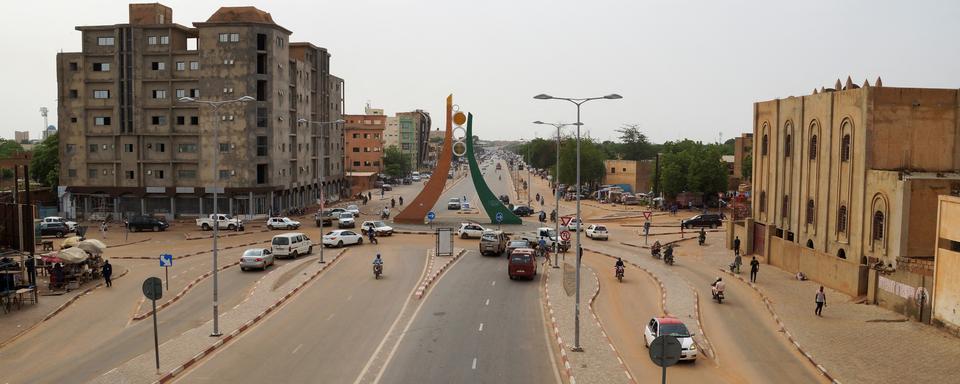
387 187
71 225
629 200
354 209
671 326
326 217
142 222
291 244
259 258
55 228
378 227
522 264
222 221
454 204
574 225
282 223
468 230
346 220
415 178
522 210
596 232
705 220
493 242
341 237
516 244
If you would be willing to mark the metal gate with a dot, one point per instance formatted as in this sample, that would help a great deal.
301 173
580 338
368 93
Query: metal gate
759 238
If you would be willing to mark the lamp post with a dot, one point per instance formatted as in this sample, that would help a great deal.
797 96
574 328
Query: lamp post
579 189
556 196
216 105
323 165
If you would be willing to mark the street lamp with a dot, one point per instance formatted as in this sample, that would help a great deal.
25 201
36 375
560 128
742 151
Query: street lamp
556 196
216 176
323 165
578 103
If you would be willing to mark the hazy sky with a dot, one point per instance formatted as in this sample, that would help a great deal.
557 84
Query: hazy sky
684 68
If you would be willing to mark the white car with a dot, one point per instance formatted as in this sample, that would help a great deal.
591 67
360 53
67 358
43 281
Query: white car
596 232
346 220
354 209
415 178
282 223
468 230
671 326
291 244
259 258
574 225
71 225
378 227
341 237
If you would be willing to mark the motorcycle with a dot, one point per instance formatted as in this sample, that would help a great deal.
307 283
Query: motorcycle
377 270
701 240
717 293
372 236
668 259
620 273
734 268
655 252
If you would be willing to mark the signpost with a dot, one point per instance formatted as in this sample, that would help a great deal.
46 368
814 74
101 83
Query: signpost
647 215
499 219
166 261
565 235
646 231
665 351
153 290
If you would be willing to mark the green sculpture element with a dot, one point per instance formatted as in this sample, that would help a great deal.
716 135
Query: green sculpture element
490 202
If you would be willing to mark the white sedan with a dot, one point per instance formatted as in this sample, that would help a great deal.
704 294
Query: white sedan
468 230
574 225
341 237
354 209
671 326
596 232
282 223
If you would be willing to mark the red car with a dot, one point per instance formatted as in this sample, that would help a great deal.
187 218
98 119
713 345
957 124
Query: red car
523 263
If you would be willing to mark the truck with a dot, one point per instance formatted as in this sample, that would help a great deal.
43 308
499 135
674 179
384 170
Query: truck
223 221
547 234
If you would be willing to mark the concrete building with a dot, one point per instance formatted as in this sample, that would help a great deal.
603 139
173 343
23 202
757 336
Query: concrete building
414 135
391 133
846 182
363 139
51 130
946 280
128 146
637 174
22 137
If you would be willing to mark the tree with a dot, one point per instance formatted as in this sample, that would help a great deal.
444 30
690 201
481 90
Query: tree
395 162
591 162
746 168
45 165
689 166
635 145
7 148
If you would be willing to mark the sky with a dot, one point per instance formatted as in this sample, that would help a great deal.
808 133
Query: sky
685 69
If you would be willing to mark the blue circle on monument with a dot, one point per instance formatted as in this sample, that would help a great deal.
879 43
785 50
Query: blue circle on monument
499 217
431 215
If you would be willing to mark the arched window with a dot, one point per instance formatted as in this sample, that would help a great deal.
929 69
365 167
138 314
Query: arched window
842 219
763 201
878 225
842 254
810 244
813 147
786 145
810 211
763 145
845 148
785 209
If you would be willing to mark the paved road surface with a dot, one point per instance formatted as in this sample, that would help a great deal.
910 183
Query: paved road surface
327 333
477 326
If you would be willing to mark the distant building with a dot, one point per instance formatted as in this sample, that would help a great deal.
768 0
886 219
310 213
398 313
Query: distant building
391 133
637 174
22 137
742 148
49 131
414 134
363 142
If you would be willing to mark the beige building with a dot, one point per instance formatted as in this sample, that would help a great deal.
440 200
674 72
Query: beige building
129 146
391 132
21 137
846 182
742 149
636 174
946 283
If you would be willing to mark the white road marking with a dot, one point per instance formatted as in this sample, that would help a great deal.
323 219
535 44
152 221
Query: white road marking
330 317
481 328
487 303
349 297
493 282
296 349
474 363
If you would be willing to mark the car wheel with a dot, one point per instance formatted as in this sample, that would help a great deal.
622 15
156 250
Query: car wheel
294 255
340 244
359 240
463 235
156 228
713 226
60 234
243 269
310 250
232 227
270 227
205 227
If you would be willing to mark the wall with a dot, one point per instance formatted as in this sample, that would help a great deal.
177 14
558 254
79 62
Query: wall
946 290
823 268
914 128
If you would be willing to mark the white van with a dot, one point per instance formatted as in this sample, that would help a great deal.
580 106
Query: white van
291 244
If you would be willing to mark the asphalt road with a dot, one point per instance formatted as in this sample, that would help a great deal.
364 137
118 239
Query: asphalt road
499 186
477 326
329 330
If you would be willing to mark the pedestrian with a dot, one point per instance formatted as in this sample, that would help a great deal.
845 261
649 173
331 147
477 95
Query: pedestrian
401 200
381 193
736 246
754 268
393 202
107 272
103 229
821 301
32 271
737 261
369 195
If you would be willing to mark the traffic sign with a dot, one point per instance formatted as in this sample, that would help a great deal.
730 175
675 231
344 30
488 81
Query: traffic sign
499 217
647 214
166 260
665 351
565 220
565 235
431 216
153 288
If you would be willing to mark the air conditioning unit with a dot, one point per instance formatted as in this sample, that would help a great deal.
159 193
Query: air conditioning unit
149 172
232 172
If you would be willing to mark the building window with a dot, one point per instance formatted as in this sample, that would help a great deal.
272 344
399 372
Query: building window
224 174
845 148
181 66
787 143
813 147
356 163
262 146
187 174
158 65
72 173
103 41
92 173
128 148
130 175
157 173
878 225
151 40
101 67
103 120
187 148
92 148
785 208
842 219
101 94
160 147
73 66
73 119
234 37
262 117
73 94
181 93
164 40
763 145
71 148
195 92
763 201
356 149
194 65
810 211
224 147
224 37
159 94
842 254
158 120
194 120
181 120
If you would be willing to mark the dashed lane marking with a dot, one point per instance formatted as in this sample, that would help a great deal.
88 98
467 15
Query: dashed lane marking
330 317
296 349
474 367
487 303
481 328
493 282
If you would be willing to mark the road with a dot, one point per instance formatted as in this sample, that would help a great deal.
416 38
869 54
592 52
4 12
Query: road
498 185
477 326
329 330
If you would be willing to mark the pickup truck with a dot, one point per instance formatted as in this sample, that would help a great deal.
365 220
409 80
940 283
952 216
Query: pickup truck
223 222
546 233
71 225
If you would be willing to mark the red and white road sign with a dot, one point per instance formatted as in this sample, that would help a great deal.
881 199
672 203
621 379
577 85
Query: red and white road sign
647 214
565 235
564 220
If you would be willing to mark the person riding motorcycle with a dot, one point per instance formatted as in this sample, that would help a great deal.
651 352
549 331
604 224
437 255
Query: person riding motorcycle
619 267
385 214
717 287
655 249
703 236
668 254
372 234
377 265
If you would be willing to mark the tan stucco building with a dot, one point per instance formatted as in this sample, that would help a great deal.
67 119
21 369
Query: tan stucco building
946 291
636 174
846 180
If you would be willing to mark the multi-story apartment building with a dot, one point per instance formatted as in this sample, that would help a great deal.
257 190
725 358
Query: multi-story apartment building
414 135
129 145
846 183
363 139
391 133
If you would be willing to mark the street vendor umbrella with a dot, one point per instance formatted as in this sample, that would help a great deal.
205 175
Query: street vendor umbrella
92 246
73 255
70 242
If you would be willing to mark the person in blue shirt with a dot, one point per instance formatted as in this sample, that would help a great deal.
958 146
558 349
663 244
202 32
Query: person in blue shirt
378 260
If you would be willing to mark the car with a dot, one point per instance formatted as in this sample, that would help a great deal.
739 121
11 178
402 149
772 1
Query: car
415 178
704 220
387 187
354 209
282 223
671 326
453 204
57 229
406 181
291 244
141 222
325 217
493 242
522 210
259 258
222 221
346 220
517 244
341 237
378 184
378 227
468 230
71 225
574 225
522 263
596 232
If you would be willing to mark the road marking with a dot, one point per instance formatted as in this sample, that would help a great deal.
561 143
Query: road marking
487 303
493 282
296 349
330 317
474 363
349 297
481 328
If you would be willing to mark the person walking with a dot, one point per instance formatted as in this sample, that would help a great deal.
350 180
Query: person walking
393 202
401 200
369 195
821 301
754 268
107 272
736 246
103 229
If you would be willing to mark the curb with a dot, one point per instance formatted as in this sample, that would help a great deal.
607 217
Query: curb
167 377
603 331
187 288
768 303
435 274
186 236
189 254
648 247
555 328
401 232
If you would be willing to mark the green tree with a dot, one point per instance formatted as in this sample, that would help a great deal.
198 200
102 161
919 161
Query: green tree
746 168
45 165
591 162
635 145
7 148
395 162
689 166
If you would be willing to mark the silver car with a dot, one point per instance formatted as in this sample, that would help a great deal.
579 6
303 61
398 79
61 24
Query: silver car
259 258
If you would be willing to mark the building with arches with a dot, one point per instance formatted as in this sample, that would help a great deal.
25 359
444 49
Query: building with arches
846 182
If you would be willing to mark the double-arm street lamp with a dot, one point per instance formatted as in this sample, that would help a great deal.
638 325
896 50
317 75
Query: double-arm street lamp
216 105
556 193
578 103
323 166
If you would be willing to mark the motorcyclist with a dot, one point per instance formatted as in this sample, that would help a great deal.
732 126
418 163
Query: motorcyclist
668 253
717 286
703 235
386 212
618 266
377 263
655 249
372 235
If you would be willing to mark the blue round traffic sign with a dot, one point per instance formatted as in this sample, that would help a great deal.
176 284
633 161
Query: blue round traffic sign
499 217
431 215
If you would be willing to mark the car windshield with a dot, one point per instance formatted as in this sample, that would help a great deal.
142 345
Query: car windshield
675 330
352 207
346 215
253 252
521 258
518 244
331 233
489 237
552 233
281 241
600 228
454 200
378 224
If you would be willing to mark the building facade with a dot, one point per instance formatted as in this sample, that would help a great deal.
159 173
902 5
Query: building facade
391 132
742 152
846 181
414 135
637 174
21 137
946 283
130 145
363 139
